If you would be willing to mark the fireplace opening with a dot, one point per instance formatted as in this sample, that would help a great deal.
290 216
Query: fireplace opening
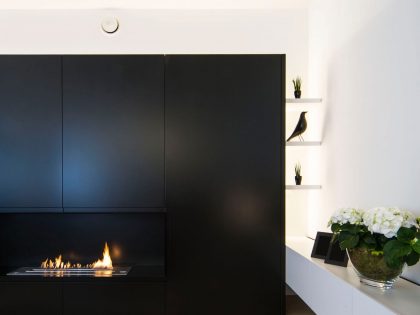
82 246
58 267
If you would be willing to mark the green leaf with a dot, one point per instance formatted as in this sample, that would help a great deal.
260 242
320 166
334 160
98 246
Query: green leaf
406 234
335 227
362 244
369 241
412 258
416 246
352 228
394 262
396 249
382 239
395 252
334 238
348 240
345 227
418 234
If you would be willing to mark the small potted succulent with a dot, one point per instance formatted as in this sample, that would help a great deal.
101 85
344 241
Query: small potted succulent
297 83
298 177
379 242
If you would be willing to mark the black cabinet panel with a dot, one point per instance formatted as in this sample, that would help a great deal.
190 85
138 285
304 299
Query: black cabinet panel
34 299
103 298
225 184
30 132
114 299
113 131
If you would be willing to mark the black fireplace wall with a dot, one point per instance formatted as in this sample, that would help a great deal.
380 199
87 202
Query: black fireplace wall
82 158
175 160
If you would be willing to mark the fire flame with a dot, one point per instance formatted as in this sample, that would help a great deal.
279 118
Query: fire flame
58 263
105 262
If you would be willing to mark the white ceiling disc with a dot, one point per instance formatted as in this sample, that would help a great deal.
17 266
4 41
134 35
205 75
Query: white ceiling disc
110 24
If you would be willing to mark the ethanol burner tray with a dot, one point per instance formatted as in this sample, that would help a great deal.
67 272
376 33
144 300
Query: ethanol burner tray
71 272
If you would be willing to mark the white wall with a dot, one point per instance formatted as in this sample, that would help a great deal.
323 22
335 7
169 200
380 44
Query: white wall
153 4
159 31
365 60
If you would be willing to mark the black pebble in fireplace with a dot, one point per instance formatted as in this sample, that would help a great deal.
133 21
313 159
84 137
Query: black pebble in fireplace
175 162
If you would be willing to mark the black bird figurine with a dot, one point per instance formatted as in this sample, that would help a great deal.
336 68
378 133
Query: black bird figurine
300 127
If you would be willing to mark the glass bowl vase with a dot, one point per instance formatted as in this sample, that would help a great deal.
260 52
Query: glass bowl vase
372 268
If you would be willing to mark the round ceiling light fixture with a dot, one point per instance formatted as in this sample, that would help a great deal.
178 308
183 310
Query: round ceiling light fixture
110 25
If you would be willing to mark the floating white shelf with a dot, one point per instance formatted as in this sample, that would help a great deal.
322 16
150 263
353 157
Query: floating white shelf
303 187
303 100
345 294
303 144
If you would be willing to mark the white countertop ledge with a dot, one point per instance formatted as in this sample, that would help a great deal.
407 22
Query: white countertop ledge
330 289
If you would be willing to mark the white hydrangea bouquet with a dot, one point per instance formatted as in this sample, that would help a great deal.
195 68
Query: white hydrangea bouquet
379 241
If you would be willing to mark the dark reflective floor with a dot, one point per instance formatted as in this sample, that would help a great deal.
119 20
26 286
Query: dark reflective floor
295 306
